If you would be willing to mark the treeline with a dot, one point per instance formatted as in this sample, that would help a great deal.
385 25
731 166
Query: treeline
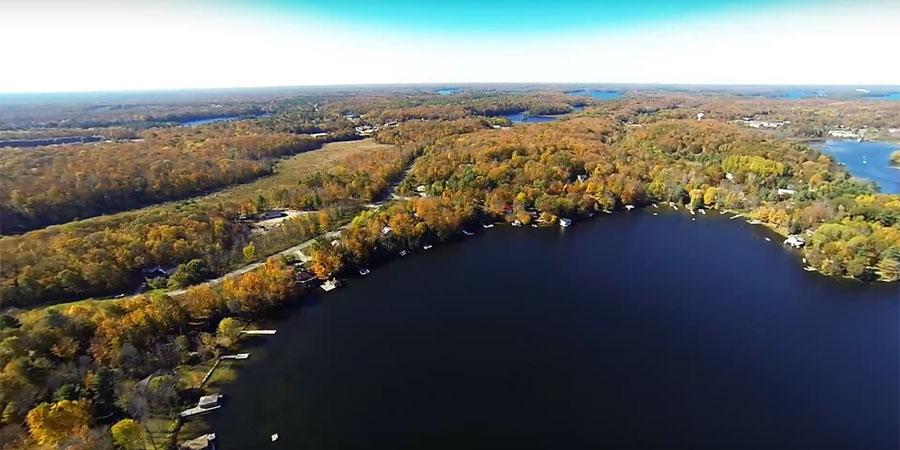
105 255
50 185
573 168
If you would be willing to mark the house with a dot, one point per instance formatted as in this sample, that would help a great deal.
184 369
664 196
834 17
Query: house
386 231
304 277
565 223
272 214
786 192
795 241
205 442
420 188
158 271
303 257
700 116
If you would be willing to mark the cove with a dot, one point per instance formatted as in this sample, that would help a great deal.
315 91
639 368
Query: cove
624 331
866 160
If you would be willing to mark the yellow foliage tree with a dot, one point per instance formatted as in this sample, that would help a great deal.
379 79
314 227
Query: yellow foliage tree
51 423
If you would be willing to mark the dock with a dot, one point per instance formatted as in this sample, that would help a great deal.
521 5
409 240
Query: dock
198 410
738 216
258 332
238 356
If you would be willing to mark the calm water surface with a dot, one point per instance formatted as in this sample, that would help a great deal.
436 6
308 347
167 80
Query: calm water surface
600 95
866 160
520 118
626 331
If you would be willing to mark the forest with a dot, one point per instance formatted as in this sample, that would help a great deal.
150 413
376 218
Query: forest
188 198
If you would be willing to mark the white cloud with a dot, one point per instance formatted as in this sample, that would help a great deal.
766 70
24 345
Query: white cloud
119 46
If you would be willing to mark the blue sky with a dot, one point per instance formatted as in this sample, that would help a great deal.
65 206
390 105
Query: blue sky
511 17
90 45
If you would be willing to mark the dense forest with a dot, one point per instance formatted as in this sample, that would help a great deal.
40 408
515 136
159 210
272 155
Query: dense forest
69 373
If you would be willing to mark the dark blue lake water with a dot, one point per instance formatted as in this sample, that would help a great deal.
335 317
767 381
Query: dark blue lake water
627 331
446 91
866 160
600 95
192 123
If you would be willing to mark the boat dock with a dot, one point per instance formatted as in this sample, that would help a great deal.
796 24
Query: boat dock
238 356
258 332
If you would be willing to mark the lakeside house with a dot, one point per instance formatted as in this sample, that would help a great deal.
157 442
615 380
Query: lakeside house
795 241
304 277
843 134
205 442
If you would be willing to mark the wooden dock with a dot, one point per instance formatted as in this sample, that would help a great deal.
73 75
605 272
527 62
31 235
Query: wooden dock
258 332
238 356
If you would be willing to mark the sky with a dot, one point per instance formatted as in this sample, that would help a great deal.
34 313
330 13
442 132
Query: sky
102 45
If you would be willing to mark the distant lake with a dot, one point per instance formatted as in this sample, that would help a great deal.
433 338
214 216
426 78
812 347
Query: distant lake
447 91
192 123
627 331
891 96
519 118
866 160
600 95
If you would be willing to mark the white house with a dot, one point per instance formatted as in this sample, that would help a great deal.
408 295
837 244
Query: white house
786 192
700 116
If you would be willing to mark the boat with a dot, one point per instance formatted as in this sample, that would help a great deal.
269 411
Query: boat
565 223
467 232
722 212
487 225
403 252
674 207
809 269
330 285
629 207
534 225
655 214
655 205
363 271
517 223
768 240
692 211
426 246
274 437
702 211
693 218
754 222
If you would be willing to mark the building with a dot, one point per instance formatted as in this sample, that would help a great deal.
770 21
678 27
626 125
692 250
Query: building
795 241
386 231
786 192
158 271
700 116
271 215
565 223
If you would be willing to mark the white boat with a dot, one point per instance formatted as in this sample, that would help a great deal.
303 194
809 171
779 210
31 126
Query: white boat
487 225
274 437
693 218
467 232
517 223
655 205
722 212
364 271
754 222
692 212
403 252
768 240
629 207
674 207
702 211
655 214
565 223
426 247
534 225
809 269
330 285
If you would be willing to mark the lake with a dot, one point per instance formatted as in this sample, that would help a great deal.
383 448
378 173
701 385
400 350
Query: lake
890 96
866 160
446 91
600 95
625 331
519 118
